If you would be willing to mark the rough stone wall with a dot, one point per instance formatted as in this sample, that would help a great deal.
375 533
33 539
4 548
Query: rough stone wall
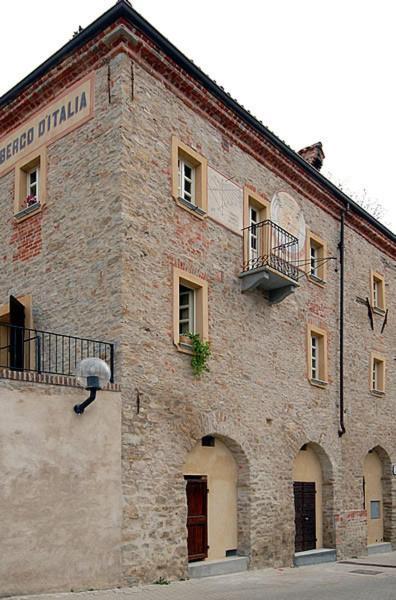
351 536
369 418
257 392
68 255
110 236
60 497
60 492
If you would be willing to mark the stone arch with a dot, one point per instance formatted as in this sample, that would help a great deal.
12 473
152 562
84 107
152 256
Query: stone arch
327 492
387 495
242 483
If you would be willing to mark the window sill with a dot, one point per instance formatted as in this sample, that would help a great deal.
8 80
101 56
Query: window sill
317 281
379 311
25 213
318 383
377 393
184 348
191 208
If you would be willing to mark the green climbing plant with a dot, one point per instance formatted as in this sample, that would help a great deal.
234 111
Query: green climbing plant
201 354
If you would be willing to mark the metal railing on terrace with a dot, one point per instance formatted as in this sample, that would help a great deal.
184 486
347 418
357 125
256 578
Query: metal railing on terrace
268 245
23 349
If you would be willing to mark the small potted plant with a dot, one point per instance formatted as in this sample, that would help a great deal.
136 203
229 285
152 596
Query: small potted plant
30 200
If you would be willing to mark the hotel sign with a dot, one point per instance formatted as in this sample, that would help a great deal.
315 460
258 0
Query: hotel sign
69 111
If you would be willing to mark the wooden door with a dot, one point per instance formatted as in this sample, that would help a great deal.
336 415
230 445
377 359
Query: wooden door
17 334
305 515
197 517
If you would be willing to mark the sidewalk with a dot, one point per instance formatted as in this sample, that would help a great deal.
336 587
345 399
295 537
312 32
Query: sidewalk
360 579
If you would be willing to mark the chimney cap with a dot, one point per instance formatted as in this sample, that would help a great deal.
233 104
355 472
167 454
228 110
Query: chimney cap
314 155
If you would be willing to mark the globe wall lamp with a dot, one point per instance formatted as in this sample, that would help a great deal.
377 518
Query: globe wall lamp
92 374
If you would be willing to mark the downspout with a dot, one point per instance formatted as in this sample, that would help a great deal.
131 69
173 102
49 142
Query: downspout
341 245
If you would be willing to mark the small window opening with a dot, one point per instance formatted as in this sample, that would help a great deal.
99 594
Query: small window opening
314 357
378 291
186 181
186 310
208 440
375 509
314 261
377 375
32 186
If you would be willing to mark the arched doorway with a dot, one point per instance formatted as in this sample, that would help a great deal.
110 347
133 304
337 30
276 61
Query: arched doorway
377 495
313 499
218 522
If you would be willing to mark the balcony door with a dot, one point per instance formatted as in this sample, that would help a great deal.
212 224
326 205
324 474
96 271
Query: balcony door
17 334
253 235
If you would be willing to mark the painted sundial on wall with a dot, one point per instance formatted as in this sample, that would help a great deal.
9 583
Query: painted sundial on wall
287 213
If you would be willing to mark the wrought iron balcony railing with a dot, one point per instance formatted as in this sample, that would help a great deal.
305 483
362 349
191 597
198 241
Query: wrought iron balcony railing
23 349
268 245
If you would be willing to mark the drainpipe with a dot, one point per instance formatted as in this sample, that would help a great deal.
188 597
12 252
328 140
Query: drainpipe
341 246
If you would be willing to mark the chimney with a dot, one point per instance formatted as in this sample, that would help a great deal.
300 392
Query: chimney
314 155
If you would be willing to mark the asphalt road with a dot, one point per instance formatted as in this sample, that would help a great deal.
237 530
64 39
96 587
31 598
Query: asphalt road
375 579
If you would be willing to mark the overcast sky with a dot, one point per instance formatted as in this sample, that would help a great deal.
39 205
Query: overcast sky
309 70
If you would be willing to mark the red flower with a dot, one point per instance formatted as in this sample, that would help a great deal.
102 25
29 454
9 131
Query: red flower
31 199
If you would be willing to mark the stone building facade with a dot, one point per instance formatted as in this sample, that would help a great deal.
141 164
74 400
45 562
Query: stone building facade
292 423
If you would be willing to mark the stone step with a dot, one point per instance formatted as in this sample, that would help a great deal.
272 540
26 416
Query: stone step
208 568
381 548
314 557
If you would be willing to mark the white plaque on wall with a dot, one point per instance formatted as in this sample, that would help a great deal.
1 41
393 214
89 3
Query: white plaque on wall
225 201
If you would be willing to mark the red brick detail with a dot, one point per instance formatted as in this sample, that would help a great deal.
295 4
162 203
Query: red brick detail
352 515
84 60
26 238
48 379
188 267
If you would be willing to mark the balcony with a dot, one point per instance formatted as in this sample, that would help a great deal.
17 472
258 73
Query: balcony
271 264
23 349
